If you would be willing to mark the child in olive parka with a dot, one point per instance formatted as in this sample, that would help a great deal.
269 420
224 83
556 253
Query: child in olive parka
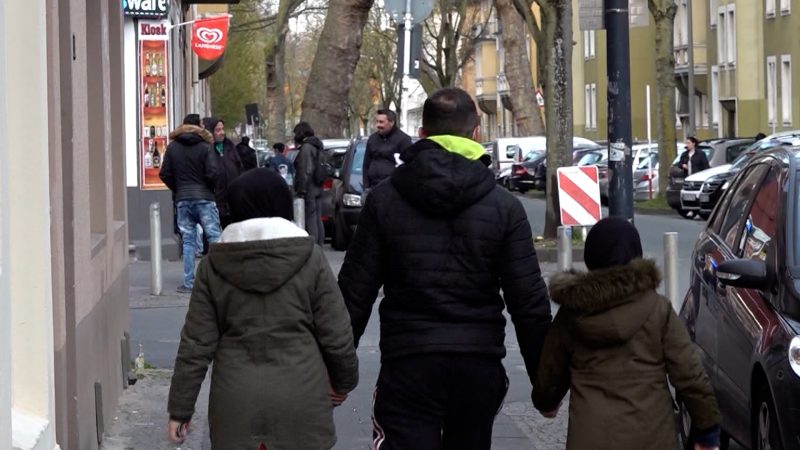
614 344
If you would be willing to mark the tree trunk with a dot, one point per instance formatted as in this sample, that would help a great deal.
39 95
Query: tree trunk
663 12
325 101
557 37
527 115
276 98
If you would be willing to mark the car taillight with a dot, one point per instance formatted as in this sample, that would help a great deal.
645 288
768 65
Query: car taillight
519 170
645 177
327 185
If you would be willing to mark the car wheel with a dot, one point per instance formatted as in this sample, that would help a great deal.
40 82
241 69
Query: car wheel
684 213
704 215
522 191
766 435
339 240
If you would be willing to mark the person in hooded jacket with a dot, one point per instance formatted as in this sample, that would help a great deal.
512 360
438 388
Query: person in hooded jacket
189 170
267 312
247 154
382 146
230 167
443 239
614 345
307 182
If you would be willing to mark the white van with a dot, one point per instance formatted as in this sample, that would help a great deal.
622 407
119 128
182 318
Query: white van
510 150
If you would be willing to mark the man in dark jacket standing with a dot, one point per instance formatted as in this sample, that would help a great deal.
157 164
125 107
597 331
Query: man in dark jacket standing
229 167
307 182
443 240
189 170
693 160
379 159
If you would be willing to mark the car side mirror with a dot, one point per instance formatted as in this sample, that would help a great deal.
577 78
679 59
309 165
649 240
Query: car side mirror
743 273
512 150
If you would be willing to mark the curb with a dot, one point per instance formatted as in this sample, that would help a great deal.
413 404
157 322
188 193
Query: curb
550 255
656 212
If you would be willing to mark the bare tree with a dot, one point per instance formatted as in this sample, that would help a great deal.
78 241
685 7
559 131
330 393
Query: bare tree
275 70
326 98
527 115
663 12
554 39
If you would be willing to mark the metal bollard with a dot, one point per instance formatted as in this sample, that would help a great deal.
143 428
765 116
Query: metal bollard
155 248
671 269
564 249
300 213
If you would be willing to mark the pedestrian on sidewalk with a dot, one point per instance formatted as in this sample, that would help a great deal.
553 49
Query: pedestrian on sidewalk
614 344
268 313
443 239
281 163
247 154
387 141
189 170
230 167
308 178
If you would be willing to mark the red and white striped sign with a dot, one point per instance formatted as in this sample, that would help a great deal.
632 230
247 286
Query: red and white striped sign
579 195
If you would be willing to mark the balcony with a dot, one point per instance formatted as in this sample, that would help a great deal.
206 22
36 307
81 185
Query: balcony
486 94
681 55
504 91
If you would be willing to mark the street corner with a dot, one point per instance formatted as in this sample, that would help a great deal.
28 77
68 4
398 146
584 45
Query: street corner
140 422
541 433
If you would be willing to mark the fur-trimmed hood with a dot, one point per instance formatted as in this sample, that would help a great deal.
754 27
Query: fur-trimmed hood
189 134
608 306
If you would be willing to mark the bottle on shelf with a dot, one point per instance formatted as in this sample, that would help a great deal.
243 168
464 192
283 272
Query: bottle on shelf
148 156
154 70
147 63
147 94
160 65
156 157
163 96
152 132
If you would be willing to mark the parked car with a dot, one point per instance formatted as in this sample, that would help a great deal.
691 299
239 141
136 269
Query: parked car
713 186
522 175
692 187
727 150
676 178
639 152
645 178
743 305
507 151
347 194
336 149
597 154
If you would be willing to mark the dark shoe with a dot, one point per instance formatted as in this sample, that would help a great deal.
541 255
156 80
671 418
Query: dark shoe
184 290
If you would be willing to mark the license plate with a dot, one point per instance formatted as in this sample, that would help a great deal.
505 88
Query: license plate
690 197
705 198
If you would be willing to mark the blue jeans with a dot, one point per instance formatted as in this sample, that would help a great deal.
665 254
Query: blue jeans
190 214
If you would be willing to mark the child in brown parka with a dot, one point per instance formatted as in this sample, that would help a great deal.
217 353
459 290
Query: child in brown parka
614 344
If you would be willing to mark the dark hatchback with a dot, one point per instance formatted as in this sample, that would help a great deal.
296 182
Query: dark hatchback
348 189
743 305
523 175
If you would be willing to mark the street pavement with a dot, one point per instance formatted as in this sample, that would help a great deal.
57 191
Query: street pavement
156 323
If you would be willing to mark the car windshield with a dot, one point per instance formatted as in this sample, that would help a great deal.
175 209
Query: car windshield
358 158
590 158
644 163
533 155
751 150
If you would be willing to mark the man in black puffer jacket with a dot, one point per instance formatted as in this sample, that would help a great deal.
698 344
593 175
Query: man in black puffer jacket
189 170
443 240
388 140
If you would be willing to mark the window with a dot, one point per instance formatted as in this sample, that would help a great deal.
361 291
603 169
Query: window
704 110
786 7
587 101
772 95
738 202
712 6
594 106
589 44
786 89
769 8
761 225
586 44
721 52
730 35
715 106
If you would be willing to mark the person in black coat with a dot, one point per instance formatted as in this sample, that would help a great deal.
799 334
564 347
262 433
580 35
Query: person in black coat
443 240
229 163
247 154
307 183
693 160
388 140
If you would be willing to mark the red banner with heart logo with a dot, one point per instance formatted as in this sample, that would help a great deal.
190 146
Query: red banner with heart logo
209 37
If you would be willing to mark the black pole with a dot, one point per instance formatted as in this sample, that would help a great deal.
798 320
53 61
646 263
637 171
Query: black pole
620 159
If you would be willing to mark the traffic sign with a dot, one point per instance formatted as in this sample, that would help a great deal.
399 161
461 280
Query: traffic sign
579 195
420 10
